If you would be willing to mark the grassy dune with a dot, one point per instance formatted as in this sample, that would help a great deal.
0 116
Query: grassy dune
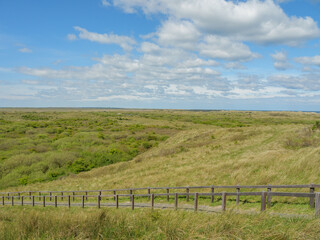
190 148
208 148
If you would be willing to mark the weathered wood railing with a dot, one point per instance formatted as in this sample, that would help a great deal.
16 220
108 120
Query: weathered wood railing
85 194
53 200
311 187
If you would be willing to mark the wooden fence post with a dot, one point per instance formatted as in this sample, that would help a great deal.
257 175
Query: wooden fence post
61 195
263 201
187 191
212 196
196 202
3 200
99 201
39 196
32 201
238 197
317 204
117 201
224 201
86 195
152 200
30 195
22 200
44 201
69 201
8 196
82 201
168 194
56 201
12 201
72 196
114 195
269 198
311 201
149 192
176 201
50 196
132 202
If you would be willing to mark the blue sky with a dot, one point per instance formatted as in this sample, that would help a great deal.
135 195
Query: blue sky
186 54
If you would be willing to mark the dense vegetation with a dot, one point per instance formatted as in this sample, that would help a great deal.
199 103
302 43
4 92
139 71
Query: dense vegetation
42 146
64 149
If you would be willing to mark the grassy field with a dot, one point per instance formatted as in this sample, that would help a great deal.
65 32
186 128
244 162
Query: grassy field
72 149
91 223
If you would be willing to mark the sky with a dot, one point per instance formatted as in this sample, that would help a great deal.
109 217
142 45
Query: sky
174 54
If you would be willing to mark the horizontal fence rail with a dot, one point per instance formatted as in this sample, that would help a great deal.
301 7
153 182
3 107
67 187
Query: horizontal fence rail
310 186
80 197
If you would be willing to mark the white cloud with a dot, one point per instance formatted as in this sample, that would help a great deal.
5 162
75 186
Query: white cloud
174 89
105 3
124 41
266 92
25 50
279 56
262 22
71 37
5 69
203 90
315 60
281 60
183 34
225 48
117 97
178 34
234 65
306 82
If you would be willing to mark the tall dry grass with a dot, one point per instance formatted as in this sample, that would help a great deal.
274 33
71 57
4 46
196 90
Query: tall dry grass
21 223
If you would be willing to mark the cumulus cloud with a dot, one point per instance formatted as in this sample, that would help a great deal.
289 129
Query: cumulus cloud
183 57
124 41
315 60
234 65
179 34
225 48
306 82
262 22
281 60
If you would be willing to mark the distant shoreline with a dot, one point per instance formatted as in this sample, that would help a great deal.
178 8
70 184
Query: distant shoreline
148 109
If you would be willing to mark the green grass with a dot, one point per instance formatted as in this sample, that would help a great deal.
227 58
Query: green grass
65 149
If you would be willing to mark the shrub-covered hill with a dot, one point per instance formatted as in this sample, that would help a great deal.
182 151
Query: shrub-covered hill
166 148
37 146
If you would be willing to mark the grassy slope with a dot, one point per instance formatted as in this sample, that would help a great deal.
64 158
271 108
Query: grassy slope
202 154
206 148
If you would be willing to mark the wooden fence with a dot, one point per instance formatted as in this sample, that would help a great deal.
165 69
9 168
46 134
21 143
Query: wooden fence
47 198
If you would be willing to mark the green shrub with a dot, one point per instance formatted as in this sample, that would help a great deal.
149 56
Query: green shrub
24 180
81 165
316 126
